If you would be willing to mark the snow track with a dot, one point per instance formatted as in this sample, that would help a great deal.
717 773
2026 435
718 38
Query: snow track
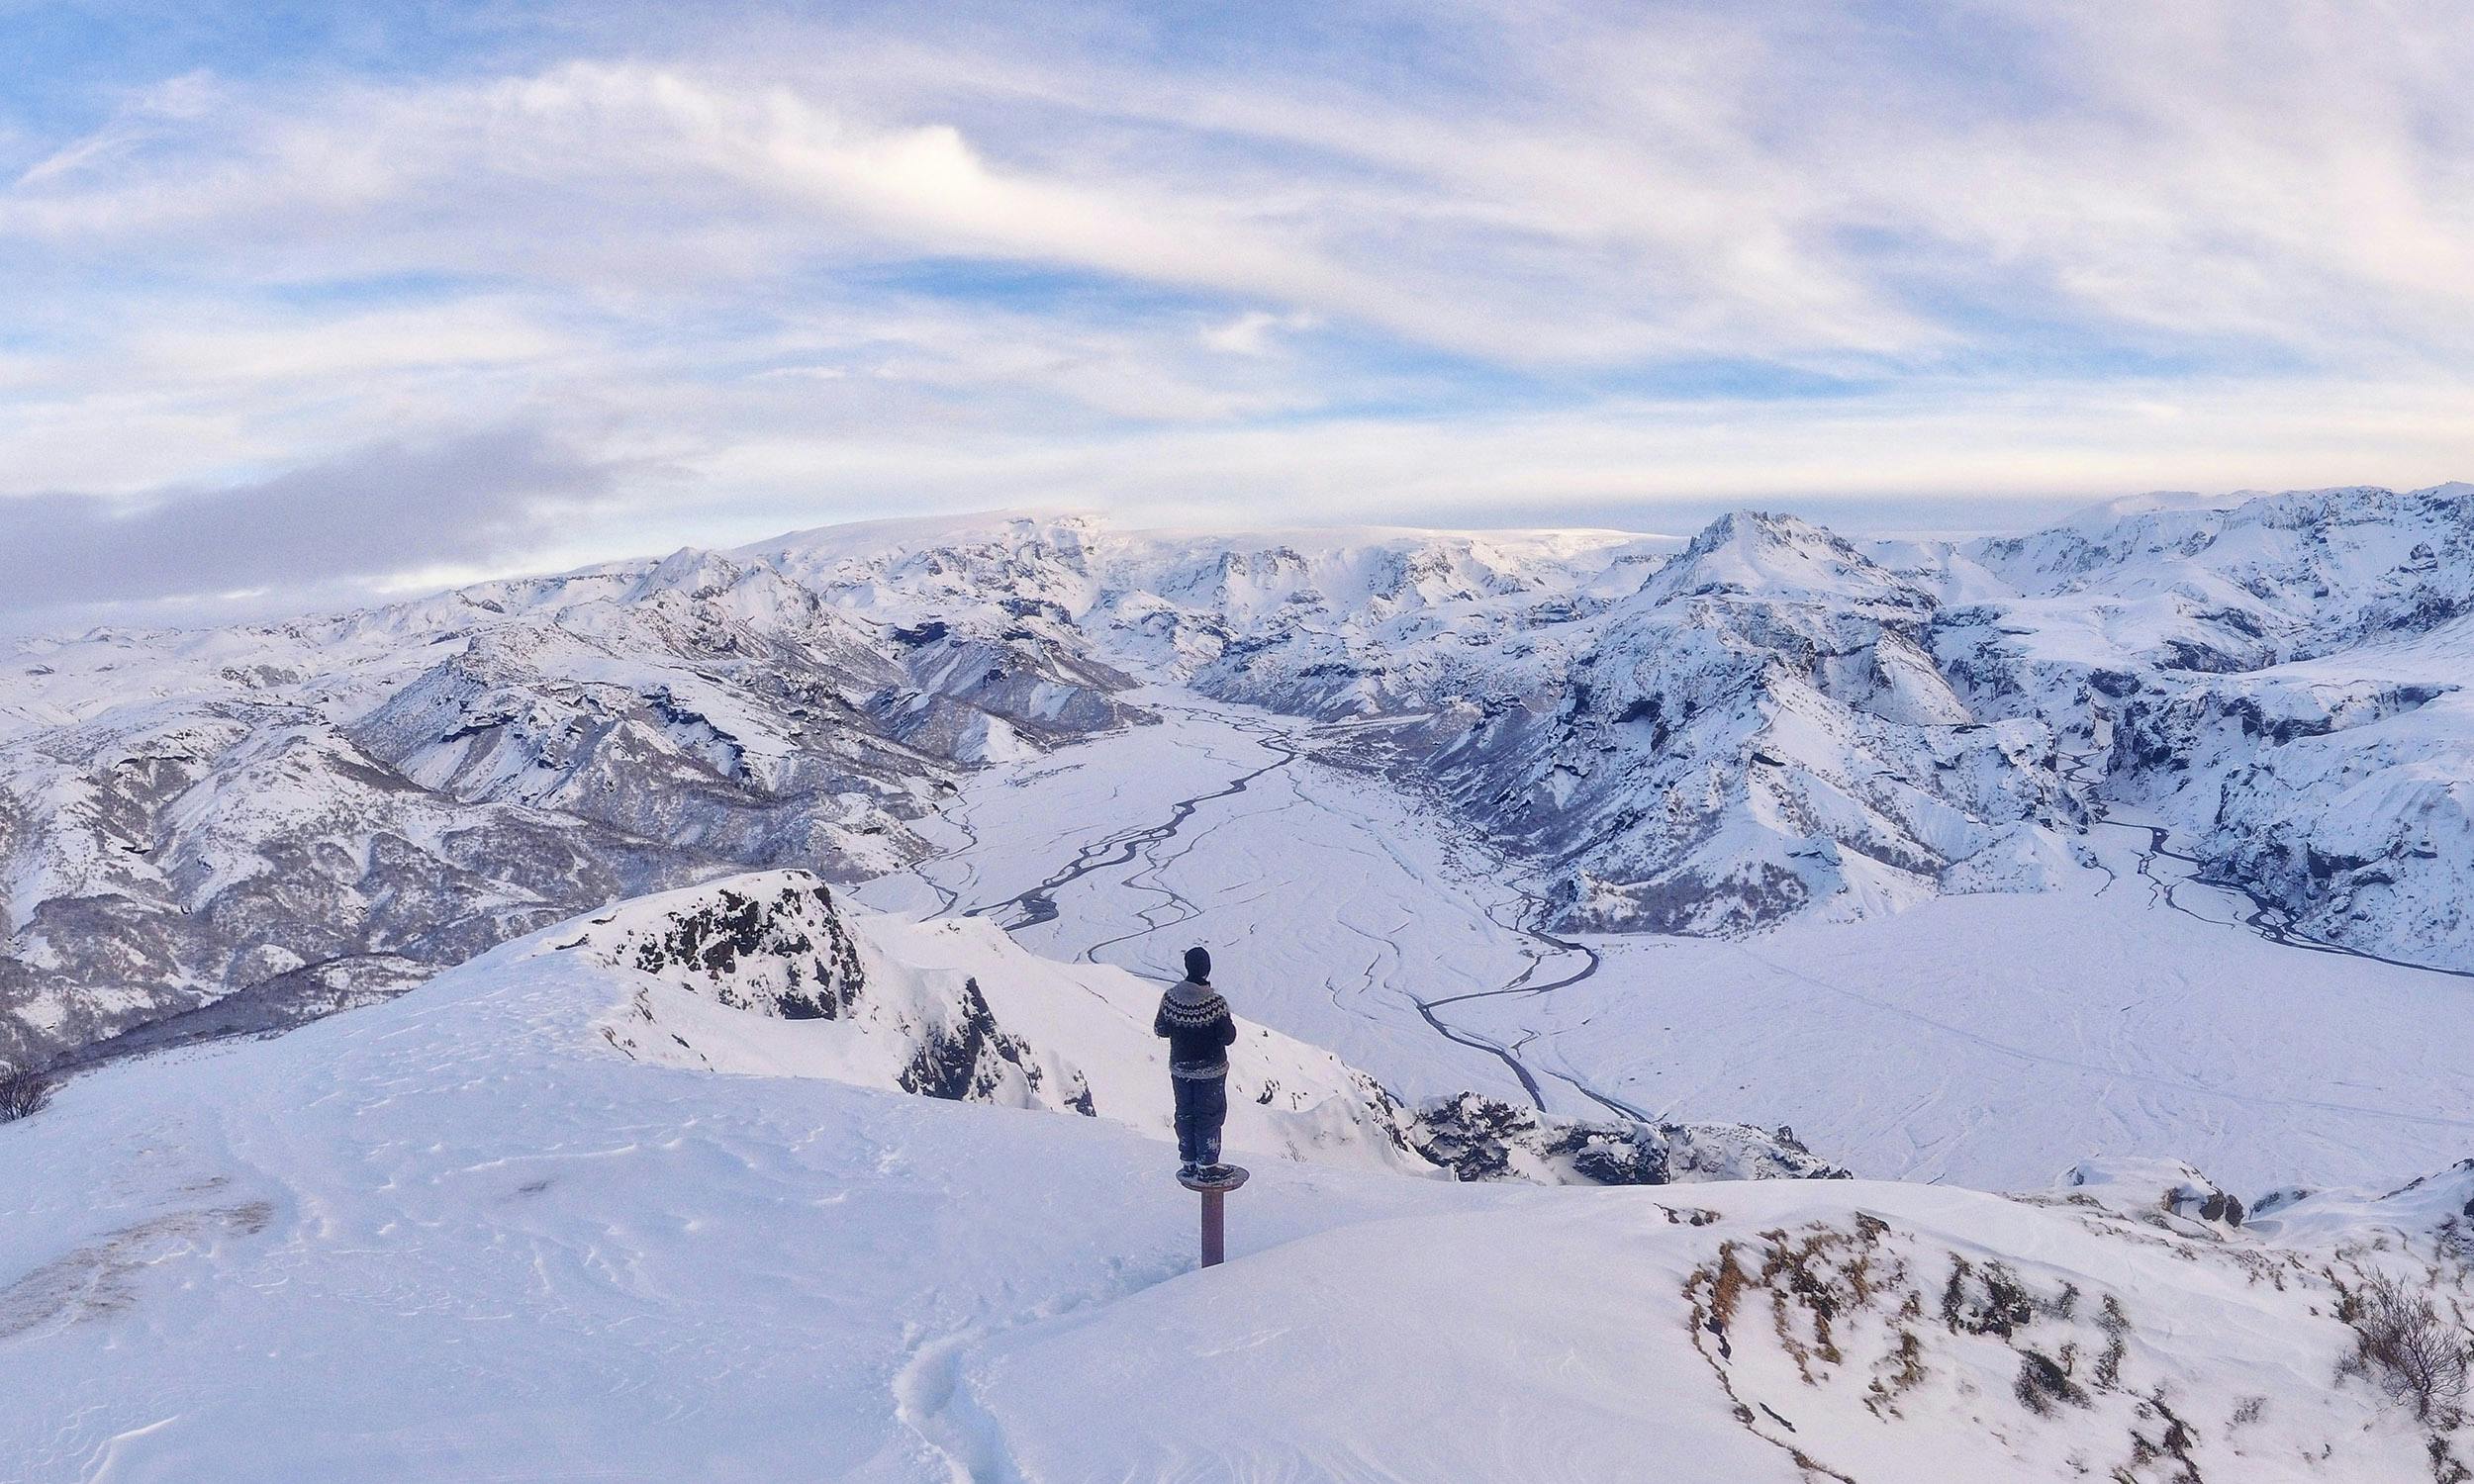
2024 1054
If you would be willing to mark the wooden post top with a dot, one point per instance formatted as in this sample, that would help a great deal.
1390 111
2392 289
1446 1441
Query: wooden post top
1235 1177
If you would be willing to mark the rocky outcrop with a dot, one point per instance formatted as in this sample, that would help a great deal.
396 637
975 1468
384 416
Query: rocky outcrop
968 1058
783 951
2164 1193
1480 1138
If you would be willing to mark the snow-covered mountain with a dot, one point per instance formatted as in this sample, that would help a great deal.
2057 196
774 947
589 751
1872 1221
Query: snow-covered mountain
1692 740
2283 683
1770 720
318 812
251 825
639 1196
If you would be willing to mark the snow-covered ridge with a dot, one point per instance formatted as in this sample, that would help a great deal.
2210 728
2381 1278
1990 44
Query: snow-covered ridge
467 1232
770 974
2282 682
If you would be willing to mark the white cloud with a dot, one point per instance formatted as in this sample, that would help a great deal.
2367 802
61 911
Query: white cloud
259 351
1765 187
1250 332
1984 448
2040 251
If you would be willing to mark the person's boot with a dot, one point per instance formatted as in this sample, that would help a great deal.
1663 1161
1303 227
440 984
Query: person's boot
1188 1170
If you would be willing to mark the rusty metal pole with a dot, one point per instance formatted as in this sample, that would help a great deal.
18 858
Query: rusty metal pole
1214 1195
1214 1228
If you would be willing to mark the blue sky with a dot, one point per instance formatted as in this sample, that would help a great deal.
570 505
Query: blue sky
597 280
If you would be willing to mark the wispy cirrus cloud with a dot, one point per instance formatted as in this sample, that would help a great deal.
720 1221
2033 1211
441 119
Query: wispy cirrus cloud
1486 259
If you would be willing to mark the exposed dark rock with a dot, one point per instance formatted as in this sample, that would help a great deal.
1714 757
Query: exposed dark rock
795 930
961 1061
1478 1138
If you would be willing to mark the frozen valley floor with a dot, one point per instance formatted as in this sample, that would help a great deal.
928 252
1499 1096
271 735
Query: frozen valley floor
1987 1041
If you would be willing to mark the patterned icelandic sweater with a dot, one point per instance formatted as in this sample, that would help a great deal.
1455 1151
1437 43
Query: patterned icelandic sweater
1199 1028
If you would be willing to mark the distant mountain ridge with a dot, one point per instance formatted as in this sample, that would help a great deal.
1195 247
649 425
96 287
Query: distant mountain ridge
1770 718
1697 736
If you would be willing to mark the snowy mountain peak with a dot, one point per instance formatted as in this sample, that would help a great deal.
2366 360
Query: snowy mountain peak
1754 554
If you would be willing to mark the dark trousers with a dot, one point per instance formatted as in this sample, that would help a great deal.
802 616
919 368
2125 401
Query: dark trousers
1201 1107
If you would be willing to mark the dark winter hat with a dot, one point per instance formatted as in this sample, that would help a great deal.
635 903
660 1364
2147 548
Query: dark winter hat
1199 964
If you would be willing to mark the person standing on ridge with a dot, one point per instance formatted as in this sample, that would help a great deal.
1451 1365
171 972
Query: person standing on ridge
1200 1030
